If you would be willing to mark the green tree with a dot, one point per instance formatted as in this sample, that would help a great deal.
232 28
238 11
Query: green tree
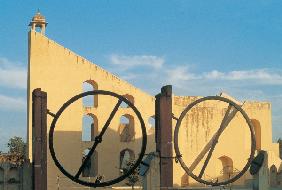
133 178
16 145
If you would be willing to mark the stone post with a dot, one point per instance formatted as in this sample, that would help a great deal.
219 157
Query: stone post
163 113
39 139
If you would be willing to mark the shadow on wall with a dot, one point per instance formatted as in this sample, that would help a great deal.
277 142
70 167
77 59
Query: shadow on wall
257 130
108 160
226 173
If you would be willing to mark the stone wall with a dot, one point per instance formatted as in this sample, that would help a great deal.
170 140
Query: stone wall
275 176
15 176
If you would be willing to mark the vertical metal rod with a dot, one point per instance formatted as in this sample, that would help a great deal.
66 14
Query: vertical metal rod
58 182
39 139
163 113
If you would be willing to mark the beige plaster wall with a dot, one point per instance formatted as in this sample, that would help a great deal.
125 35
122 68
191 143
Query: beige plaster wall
201 123
61 73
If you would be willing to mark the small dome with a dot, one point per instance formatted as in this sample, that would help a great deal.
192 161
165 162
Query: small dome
38 17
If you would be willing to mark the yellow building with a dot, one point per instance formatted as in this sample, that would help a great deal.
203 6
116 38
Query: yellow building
62 74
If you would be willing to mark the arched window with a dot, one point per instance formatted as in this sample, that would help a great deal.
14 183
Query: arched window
227 166
126 128
89 127
90 101
151 124
257 130
151 121
185 180
125 157
91 168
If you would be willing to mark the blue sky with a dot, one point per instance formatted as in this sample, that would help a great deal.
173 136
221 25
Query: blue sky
200 47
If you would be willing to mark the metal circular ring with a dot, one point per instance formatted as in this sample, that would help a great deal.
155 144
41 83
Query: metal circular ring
113 181
178 154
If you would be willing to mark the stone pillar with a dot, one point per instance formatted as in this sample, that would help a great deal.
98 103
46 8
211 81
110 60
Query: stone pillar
261 179
273 176
151 181
39 139
163 113
43 29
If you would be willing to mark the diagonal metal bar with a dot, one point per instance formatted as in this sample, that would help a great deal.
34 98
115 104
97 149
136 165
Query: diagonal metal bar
229 115
50 113
98 139
173 117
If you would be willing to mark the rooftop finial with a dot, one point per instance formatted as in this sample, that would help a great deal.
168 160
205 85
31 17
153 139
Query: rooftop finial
39 21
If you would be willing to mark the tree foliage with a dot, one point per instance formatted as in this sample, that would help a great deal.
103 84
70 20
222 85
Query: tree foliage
133 178
16 145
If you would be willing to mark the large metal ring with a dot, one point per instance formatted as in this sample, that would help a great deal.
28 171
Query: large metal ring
113 181
178 154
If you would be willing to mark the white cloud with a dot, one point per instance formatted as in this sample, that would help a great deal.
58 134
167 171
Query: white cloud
180 74
243 84
12 75
127 62
263 76
12 104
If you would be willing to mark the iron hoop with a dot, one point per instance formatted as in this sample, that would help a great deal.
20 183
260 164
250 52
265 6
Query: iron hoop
110 182
178 154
